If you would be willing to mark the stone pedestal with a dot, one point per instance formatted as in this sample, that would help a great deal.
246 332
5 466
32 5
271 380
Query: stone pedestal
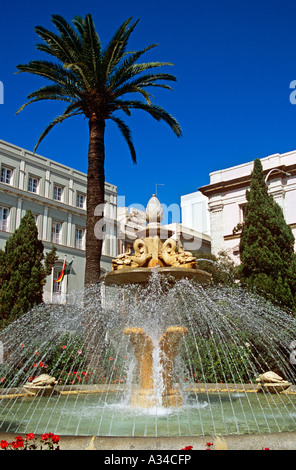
143 350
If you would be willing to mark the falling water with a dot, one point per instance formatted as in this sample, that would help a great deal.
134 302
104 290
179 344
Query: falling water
233 337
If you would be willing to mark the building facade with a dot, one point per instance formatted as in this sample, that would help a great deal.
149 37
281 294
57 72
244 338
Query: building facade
56 195
226 195
195 213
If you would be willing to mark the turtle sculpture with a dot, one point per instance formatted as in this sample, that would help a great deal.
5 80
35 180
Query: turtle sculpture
271 382
43 384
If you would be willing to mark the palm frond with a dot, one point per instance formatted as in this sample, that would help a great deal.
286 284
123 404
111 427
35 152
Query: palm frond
145 81
115 50
119 75
67 32
55 45
126 133
91 51
57 120
52 71
155 111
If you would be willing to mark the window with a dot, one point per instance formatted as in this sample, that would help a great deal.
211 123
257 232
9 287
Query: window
6 175
57 286
80 200
56 232
33 185
58 193
242 208
79 238
4 218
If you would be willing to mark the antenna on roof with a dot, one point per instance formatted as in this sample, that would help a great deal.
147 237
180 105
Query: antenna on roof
158 184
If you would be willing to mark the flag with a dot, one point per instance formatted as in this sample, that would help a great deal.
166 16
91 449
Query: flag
68 269
62 273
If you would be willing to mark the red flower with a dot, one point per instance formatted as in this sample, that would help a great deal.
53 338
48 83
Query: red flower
55 438
19 442
30 436
3 444
36 353
41 364
111 358
64 347
45 437
187 448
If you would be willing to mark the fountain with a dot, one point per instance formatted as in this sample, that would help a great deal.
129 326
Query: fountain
179 358
144 348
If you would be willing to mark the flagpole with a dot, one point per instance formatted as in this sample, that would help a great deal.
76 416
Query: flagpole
71 264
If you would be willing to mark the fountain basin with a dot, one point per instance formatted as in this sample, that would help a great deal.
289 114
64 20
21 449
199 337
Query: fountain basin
142 275
85 412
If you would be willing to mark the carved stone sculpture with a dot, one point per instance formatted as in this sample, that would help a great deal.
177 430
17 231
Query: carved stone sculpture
149 252
43 384
173 255
272 383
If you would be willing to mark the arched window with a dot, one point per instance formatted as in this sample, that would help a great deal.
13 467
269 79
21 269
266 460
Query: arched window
59 284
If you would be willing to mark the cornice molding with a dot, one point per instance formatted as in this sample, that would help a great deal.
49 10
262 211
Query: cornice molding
243 182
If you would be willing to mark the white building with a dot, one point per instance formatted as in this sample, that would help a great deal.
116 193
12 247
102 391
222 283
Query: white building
226 196
195 212
56 194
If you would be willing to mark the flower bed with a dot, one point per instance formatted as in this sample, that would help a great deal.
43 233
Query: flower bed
48 441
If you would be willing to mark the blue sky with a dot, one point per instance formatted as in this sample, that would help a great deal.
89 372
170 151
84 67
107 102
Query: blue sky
234 61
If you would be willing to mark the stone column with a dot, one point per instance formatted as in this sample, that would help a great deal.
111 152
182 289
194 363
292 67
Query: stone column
217 227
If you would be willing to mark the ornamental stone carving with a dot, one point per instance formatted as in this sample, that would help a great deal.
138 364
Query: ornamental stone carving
150 252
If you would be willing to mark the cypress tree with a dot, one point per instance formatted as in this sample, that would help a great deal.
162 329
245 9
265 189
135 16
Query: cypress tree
268 261
23 271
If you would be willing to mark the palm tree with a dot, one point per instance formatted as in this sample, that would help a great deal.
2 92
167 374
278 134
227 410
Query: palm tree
94 82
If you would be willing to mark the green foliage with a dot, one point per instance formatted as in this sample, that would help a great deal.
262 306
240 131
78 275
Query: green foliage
62 357
268 261
208 360
115 363
23 271
221 267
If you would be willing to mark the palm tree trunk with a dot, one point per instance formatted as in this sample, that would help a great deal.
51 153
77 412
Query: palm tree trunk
95 200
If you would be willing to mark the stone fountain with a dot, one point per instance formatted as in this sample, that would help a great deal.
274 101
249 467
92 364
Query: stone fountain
149 254
180 355
168 347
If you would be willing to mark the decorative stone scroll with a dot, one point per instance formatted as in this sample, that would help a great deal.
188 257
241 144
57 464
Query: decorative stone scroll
151 251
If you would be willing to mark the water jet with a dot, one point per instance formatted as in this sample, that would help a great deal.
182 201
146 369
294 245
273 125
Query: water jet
180 359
